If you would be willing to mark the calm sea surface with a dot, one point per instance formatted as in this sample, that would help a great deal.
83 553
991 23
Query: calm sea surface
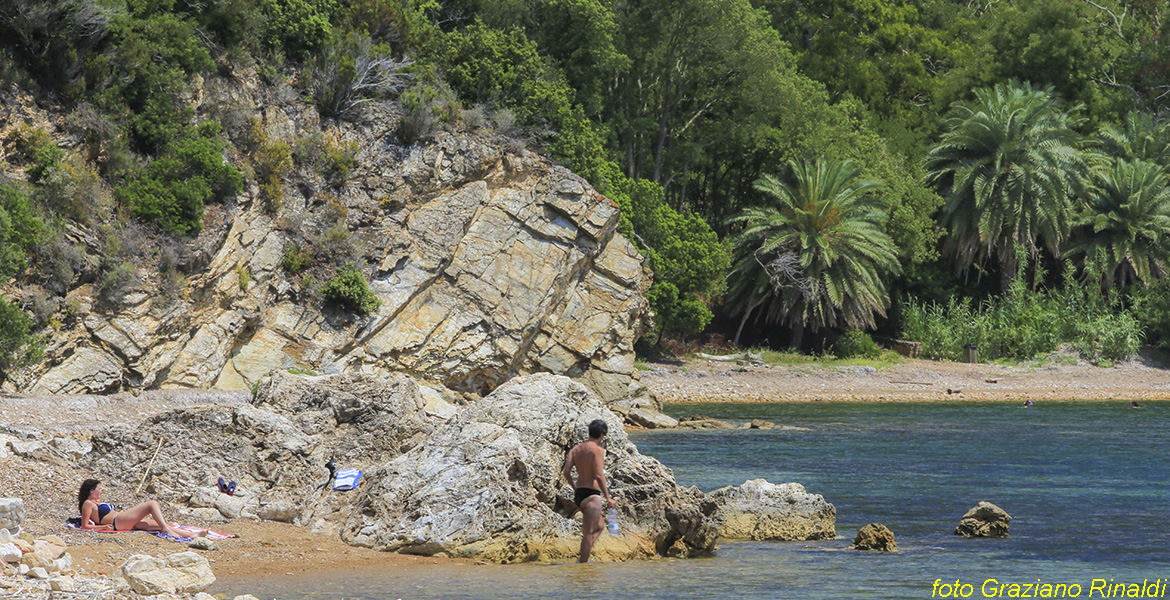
1086 484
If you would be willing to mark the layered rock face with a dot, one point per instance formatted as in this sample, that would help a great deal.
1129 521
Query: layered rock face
488 484
760 510
481 480
489 262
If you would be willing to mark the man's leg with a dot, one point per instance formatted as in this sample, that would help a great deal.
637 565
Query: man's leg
590 525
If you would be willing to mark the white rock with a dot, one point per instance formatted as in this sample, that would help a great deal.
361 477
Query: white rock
11 513
246 597
64 563
9 552
760 510
61 584
181 573
38 573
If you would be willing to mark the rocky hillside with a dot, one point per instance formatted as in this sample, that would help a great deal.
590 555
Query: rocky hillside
488 261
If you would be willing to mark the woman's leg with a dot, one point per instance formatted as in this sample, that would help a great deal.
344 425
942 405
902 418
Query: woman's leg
146 517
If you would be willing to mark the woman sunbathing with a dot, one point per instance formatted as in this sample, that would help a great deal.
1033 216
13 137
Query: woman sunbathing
99 516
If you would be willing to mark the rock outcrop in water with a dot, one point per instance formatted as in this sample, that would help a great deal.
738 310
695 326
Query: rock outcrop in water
484 483
759 510
984 520
875 536
489 261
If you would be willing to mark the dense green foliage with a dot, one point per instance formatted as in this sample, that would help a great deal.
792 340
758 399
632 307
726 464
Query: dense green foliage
817 257
1009 166
20 232
172 190
349 290
854 344
963 140
1024 323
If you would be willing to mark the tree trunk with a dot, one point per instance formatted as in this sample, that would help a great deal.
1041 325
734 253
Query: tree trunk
747 314
797 338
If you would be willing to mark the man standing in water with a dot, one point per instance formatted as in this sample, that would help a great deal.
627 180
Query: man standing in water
589 459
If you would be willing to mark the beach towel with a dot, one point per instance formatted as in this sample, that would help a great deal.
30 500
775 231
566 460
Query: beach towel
75 523
347 479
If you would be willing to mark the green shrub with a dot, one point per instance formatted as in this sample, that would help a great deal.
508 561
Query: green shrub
35 148
18 346
299 27
272 160
174 187
20 232
116 282
1025 323
1151 308
349 290
420 112
295 260
243 277
856 343
338 160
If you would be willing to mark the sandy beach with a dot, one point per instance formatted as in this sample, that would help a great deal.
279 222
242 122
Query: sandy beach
277 549
1057 377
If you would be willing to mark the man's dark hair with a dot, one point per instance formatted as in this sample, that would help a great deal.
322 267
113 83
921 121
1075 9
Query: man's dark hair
598 428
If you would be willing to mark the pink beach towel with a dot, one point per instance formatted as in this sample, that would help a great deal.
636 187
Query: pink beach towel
75 523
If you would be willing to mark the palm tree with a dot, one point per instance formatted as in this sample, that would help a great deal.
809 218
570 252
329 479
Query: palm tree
818 257
1142 136
1124 232
1008 166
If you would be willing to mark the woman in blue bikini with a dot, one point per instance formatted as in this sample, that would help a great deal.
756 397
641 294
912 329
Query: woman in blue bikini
99 516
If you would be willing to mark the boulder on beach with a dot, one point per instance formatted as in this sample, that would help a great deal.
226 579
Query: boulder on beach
875 536
760 510
488 484
984 520
180 573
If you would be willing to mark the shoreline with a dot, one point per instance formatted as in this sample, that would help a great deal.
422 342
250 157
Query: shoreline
271 549
912 380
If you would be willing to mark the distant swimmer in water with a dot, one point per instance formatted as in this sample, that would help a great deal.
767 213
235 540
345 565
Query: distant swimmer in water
1027 403
1133 404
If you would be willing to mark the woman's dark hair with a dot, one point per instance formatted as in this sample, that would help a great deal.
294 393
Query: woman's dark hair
598 428
83 495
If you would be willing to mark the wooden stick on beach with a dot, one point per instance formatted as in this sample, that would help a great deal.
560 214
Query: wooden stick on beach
148 466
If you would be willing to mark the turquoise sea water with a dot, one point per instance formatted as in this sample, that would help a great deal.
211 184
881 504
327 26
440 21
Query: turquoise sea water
1086 484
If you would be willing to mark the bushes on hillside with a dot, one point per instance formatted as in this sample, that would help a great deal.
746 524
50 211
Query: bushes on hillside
174 187
349 290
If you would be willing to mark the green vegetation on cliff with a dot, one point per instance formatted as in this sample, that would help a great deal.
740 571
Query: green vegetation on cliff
978 137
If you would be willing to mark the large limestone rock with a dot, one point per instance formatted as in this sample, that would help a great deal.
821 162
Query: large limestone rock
487 484
875 536
181 573
276 447
760 510
984 520
489 262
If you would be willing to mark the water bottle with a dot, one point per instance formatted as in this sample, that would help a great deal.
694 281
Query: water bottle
611 520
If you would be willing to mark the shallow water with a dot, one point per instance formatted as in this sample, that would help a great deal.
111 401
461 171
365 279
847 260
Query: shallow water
1085 483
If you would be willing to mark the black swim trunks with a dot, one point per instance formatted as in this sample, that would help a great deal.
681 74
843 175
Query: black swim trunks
582 493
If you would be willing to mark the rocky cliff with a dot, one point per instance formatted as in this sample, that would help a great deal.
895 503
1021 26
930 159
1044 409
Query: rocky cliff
489 261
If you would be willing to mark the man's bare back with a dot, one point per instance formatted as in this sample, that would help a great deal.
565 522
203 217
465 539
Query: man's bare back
589 459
